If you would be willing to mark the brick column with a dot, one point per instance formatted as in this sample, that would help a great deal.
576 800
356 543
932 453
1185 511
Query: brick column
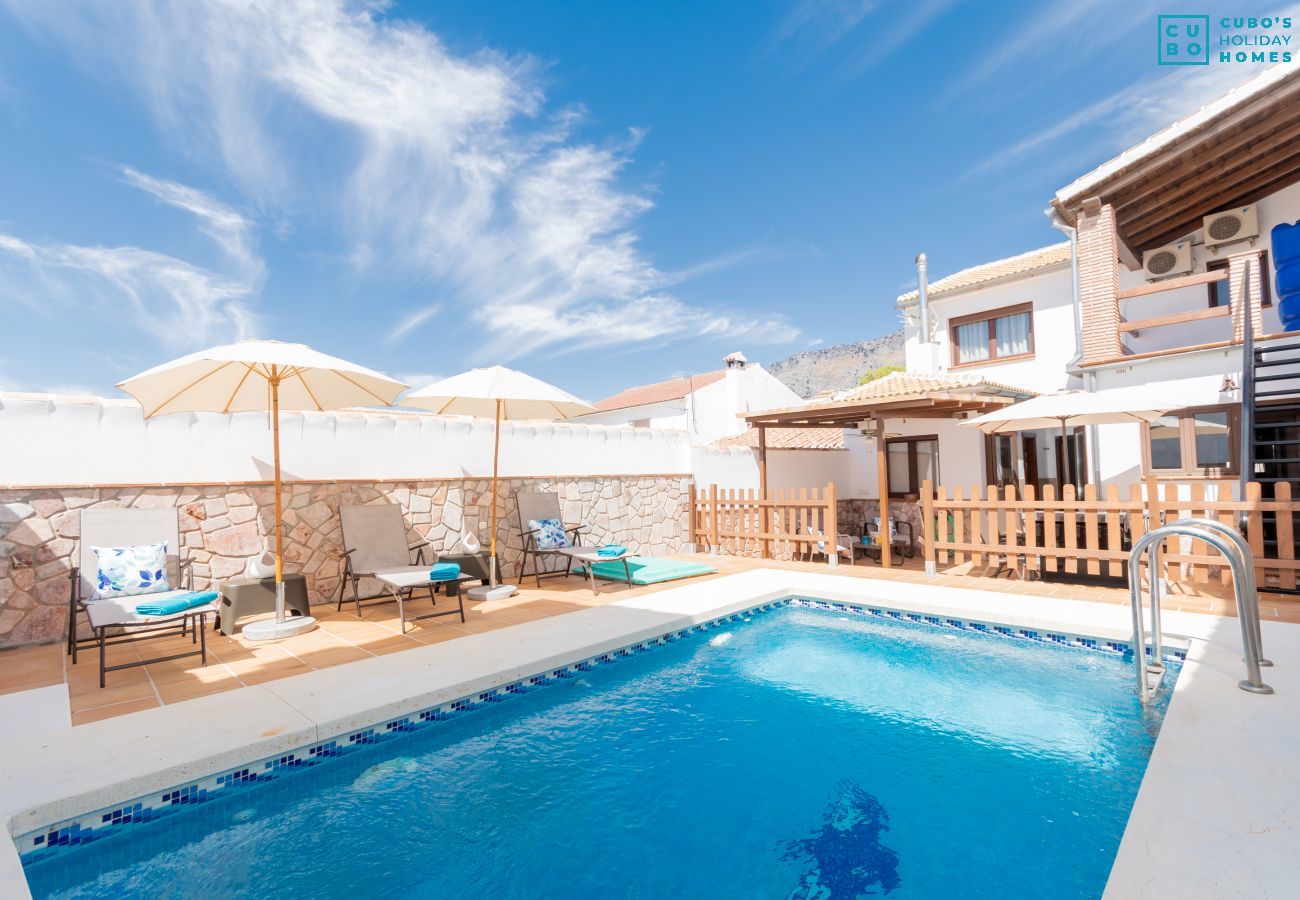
1238 266
1099 281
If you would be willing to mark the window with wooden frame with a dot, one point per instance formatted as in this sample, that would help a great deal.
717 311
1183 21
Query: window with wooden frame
1221 294
993 336
910 461
1192 443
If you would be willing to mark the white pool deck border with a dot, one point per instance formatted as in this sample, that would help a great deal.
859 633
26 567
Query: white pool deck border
1217 815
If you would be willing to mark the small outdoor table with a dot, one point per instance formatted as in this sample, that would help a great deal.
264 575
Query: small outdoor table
590 555
250 596
400 585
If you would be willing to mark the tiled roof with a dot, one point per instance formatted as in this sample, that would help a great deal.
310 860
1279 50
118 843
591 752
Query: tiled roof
986 273
672 389
787 439
901 385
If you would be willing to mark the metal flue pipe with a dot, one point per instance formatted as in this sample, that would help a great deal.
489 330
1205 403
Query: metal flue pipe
923 297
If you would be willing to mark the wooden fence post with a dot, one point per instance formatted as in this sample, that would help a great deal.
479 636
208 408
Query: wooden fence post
832 526
928 526
713 520
692 516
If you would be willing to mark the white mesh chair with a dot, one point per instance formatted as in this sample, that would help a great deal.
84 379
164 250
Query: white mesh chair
533 506
114 620
843 545
375 546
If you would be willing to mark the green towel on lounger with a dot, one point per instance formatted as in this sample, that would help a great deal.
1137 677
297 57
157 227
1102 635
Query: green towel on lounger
176 604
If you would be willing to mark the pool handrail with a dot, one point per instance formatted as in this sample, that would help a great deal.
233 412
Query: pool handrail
1231 552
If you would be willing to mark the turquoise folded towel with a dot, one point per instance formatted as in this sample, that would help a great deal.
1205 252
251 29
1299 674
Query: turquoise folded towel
612 550
177 604
444 571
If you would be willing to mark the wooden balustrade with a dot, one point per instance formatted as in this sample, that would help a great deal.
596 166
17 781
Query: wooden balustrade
1089 533
741 522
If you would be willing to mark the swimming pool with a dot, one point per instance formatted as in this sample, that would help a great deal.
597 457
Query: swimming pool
802 753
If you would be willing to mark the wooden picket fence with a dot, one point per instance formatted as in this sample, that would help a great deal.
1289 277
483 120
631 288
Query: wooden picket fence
742 523
1090 533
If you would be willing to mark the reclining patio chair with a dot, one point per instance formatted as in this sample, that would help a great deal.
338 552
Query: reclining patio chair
375 546
541 506
114 528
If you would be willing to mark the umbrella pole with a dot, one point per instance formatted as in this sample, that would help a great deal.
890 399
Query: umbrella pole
279 528
279 627
496 453
1065 460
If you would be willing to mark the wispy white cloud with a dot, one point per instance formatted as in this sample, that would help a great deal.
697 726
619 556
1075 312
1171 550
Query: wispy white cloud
229 229
1123 117
816 25
445 166
179 304
412 321
1087 27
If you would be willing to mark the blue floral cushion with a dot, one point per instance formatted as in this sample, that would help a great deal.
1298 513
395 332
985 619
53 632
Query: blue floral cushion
128 571
549 534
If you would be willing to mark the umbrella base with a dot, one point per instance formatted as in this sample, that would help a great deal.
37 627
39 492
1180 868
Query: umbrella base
490 592
271 630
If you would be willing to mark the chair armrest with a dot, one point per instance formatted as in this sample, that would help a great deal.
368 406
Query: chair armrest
186 566
900 526
74 588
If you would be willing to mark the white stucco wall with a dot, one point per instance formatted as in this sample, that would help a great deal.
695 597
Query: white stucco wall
61 440
1051 294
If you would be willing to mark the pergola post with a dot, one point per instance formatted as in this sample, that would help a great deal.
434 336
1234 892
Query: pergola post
882 483
763 517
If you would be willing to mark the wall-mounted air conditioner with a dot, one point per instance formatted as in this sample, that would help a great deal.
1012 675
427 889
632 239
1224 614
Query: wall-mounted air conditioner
1231 225
1172 259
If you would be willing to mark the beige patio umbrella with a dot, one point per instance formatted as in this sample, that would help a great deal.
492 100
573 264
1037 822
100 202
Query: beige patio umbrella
499 393
1066 409
254 376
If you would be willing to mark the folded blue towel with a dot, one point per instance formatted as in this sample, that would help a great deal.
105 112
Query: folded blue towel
444 571
177 604
612 550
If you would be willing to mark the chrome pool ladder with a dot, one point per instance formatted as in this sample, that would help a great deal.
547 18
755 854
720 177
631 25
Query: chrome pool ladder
1229 542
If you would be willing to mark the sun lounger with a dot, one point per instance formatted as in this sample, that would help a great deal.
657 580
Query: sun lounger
541 506
375 546
118 619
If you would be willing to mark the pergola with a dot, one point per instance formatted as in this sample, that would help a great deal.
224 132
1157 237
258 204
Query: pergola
900 395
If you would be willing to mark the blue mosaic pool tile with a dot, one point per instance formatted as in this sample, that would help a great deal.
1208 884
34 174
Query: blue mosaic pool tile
281 762
190 793
325 750
363 737
399 725
239 776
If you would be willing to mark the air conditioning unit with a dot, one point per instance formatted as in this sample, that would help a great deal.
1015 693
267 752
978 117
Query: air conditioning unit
1231 225
1172 259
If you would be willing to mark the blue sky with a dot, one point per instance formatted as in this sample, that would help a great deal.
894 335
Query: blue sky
601 194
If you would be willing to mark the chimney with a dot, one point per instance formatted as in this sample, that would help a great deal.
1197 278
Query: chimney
735 367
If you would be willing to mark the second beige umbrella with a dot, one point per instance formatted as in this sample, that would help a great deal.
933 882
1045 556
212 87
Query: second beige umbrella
498 393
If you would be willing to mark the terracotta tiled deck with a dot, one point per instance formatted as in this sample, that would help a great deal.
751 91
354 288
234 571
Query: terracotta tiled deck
343 637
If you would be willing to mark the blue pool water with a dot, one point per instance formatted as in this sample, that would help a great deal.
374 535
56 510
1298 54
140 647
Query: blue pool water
803 754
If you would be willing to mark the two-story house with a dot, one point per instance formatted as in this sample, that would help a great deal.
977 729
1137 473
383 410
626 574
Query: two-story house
1168 259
